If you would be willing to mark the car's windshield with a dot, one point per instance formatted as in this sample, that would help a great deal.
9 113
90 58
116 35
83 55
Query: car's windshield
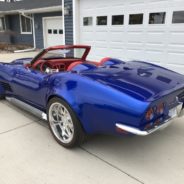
71 53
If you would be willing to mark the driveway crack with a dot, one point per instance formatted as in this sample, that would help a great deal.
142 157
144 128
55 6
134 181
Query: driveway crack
112 165
19 127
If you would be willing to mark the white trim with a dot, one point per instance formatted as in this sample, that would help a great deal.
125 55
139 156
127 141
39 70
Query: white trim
34 36
20 20
46 9
76 21
2 16
63 15
43 27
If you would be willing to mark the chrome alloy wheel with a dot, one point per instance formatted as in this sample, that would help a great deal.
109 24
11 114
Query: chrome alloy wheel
61 122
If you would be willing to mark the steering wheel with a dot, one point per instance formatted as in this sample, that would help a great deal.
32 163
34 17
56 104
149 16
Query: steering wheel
37 64
52 66
45 64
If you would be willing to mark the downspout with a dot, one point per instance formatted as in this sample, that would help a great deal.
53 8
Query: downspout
34 37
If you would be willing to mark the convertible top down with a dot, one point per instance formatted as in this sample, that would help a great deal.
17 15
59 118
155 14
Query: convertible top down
79 97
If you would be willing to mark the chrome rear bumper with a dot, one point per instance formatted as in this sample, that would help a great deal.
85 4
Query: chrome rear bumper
139 132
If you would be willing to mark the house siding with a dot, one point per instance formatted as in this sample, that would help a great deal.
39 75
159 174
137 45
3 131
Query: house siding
5 36
69 24
39 26
18 38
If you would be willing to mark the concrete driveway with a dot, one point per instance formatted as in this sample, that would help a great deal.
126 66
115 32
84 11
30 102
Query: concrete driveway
29 154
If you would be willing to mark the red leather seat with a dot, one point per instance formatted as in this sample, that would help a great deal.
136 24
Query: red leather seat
72 65
103 61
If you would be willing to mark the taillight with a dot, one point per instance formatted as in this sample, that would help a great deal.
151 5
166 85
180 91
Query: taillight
150 114
160 108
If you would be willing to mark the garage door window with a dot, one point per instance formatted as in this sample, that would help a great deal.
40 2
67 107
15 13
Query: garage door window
102 20
157 18
26 25
178 17
2 23
117 19
88 21
136 19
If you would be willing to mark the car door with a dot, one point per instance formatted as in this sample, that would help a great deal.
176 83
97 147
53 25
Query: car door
30 85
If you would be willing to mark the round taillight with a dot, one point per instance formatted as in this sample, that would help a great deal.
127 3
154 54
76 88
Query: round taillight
160 108
150 114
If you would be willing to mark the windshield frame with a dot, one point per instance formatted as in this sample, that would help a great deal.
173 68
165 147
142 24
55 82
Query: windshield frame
62 47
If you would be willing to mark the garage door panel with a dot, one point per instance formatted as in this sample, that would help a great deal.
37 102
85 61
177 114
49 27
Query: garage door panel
87 37
117 53
116 37
134 54
177 68
134 46
100 36
115 45
176 58
155 38
155 55
176 38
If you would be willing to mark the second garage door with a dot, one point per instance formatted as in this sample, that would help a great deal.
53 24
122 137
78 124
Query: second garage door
53 31
145 30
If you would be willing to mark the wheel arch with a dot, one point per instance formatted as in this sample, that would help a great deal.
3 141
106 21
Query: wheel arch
74 109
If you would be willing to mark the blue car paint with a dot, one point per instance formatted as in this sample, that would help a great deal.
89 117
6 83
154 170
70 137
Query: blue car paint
117 92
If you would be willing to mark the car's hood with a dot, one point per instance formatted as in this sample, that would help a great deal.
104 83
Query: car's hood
140 80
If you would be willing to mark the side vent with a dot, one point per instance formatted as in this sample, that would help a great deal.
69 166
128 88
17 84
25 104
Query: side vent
6 86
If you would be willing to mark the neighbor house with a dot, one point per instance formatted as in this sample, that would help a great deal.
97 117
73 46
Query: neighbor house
38 23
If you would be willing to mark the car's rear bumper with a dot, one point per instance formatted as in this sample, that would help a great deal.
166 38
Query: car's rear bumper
136 131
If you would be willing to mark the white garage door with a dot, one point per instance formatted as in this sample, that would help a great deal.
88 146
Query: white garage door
53 31
149 30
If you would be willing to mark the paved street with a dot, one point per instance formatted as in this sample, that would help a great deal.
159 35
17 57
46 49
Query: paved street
29 154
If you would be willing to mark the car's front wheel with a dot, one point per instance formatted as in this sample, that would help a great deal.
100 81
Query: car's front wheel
63 123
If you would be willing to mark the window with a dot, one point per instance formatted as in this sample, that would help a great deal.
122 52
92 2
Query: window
136 19
61 31
157 18
178 17
55 31
2 24
88 21
26 25
49 31
101 20
117 19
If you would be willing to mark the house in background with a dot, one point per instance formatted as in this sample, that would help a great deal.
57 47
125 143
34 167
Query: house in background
38 23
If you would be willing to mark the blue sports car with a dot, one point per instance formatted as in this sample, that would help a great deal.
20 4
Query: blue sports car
79 97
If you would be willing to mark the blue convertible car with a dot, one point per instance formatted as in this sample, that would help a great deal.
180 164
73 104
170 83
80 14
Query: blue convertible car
79 97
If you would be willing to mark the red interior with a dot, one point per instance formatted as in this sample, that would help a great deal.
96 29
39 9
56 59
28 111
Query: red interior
60 64
63 64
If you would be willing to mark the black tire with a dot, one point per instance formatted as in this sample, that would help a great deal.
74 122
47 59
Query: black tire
78 135
2 97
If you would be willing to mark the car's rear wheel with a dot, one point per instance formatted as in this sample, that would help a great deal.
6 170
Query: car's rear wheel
63 123
2 97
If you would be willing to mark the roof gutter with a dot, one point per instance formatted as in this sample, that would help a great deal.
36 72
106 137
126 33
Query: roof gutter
35 10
